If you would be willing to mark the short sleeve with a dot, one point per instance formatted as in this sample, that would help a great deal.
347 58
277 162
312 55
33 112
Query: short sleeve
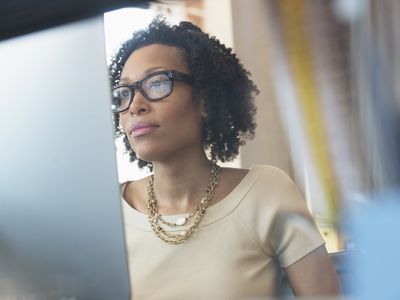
294 233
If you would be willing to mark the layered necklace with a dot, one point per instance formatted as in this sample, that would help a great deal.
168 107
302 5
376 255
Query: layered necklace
160 226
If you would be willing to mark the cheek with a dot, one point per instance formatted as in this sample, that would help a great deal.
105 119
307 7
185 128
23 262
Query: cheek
186 121
185 108
123 121
124 124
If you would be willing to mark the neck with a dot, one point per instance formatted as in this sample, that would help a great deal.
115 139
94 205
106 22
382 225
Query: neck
180 185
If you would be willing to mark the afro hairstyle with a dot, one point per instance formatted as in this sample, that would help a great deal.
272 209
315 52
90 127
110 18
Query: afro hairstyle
218 78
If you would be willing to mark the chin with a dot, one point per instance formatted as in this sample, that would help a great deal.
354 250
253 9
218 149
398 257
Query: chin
147 151
147 155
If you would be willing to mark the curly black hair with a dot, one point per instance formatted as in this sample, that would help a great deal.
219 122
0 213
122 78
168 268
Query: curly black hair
219 78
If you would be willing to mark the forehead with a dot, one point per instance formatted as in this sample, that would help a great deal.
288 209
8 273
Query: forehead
152 57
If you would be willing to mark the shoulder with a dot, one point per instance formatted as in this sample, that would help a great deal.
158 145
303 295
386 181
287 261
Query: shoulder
270 179
269 188
275 211
266 172
271 173
134 193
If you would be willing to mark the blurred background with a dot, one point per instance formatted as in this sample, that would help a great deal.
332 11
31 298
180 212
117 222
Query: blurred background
329 106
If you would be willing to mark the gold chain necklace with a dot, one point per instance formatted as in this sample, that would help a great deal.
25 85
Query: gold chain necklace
158 223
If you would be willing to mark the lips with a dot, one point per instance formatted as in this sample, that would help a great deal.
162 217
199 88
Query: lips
140 129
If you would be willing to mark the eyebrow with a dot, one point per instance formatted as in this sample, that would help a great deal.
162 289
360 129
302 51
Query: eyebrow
145 73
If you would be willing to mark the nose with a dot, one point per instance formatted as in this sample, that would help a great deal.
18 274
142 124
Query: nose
139 104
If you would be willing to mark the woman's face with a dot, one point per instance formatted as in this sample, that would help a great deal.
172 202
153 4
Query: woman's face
169 127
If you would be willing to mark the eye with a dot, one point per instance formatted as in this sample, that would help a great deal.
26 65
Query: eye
157 81
120 98
157 86
122 93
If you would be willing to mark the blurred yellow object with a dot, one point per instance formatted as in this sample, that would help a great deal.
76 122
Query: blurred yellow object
300 59
331 237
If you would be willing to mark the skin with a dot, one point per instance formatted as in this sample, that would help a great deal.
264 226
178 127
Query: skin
174 146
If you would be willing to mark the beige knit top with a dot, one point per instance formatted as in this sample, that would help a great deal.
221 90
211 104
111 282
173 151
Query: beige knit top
238 250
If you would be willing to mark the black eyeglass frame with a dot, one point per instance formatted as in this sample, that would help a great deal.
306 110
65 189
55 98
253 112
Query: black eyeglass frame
137 86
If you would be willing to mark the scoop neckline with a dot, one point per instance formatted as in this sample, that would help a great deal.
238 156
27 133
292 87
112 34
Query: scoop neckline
217 211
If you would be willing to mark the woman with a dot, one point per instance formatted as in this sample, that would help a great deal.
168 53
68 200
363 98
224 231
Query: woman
182 102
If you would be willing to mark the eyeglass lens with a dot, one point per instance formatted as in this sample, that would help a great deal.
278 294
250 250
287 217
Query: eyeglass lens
152 88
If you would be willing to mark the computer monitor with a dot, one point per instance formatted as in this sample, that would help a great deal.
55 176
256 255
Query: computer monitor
61 228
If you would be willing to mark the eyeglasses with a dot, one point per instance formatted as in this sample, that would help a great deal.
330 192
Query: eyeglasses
154 87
